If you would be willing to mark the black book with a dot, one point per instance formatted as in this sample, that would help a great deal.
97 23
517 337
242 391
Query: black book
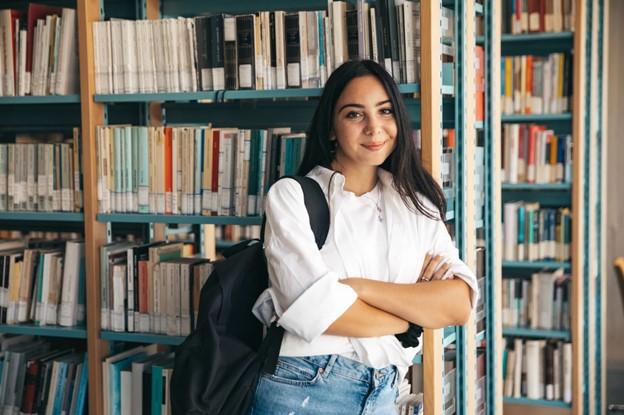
293 57
273 50
4 285
230 53
204 56
568 81
245 50
394 40
216 52
383 35
352 34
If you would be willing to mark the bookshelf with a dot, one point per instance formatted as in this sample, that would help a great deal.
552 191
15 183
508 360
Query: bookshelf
587 264
434 110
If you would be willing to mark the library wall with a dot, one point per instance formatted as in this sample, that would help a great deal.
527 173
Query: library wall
615 204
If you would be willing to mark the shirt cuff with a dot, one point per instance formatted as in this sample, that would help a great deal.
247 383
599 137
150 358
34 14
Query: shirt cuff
311 314
463 272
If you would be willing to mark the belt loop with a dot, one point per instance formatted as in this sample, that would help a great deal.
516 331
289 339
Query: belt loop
330 364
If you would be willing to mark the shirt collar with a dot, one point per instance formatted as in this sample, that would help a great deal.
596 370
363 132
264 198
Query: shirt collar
324 175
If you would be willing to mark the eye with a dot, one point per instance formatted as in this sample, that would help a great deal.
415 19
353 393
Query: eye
354 115
387 111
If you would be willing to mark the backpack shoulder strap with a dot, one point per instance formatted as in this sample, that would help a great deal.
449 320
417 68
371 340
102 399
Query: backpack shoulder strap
318 211
316 205
317 208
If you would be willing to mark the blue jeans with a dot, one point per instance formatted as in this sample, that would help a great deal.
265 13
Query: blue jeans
326 385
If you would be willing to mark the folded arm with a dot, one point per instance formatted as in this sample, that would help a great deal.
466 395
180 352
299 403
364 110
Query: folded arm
434 304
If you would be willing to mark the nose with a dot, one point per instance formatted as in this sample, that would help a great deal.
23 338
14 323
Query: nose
373 127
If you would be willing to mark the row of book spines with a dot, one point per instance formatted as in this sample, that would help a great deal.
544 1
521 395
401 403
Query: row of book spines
536 84
138 381
43 285
41 177
533 234
534 154
151 288
538 369
230 171
527 303
41 59
39 379
523 16
264 51
236 233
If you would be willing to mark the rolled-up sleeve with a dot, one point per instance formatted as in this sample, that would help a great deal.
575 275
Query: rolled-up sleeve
309 295
442 244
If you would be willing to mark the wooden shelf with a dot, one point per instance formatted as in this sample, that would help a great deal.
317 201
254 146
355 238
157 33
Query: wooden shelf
141 338
536 333
222 95
48 331
538 187
179 219
537 264
536 402
42 216
46 99
536 118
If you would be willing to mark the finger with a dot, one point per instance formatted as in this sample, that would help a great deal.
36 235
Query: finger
430 268
441 271
425 263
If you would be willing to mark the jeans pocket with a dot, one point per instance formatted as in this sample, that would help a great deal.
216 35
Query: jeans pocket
296 371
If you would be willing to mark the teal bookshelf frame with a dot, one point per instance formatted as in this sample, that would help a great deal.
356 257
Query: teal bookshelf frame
41 216
223 107
52 113
591 309
141 338
46 331
536 333
538 187
45 99
537 265
537 402
536 118
179 219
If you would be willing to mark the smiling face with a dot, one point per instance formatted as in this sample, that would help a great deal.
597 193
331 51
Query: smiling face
364 125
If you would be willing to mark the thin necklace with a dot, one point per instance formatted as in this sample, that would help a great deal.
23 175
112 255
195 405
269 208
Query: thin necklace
377 202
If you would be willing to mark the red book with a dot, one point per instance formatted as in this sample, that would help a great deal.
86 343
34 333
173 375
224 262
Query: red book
531 167
215 166
30 387
528 87
35 12
142 265
168 173
479 84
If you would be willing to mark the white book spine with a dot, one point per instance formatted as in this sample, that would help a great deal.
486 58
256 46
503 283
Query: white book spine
68 313
118 311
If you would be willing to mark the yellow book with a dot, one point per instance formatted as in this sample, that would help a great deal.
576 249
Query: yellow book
508 103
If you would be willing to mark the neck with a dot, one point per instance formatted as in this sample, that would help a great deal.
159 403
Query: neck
357 180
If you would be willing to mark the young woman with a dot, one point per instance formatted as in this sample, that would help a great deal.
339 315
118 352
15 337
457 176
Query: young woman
342 306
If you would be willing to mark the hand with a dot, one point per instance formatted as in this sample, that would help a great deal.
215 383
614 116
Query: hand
435 267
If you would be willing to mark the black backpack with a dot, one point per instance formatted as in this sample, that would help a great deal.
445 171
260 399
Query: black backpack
218 366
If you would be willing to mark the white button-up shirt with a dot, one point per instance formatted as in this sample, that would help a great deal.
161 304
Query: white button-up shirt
371 236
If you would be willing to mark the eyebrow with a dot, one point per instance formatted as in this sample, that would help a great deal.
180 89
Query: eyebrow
362 106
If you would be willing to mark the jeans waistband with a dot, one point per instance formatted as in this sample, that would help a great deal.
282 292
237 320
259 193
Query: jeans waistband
353 369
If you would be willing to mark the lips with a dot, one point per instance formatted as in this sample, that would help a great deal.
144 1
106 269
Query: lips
374 146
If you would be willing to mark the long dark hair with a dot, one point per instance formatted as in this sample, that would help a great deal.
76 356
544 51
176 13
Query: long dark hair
409 176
